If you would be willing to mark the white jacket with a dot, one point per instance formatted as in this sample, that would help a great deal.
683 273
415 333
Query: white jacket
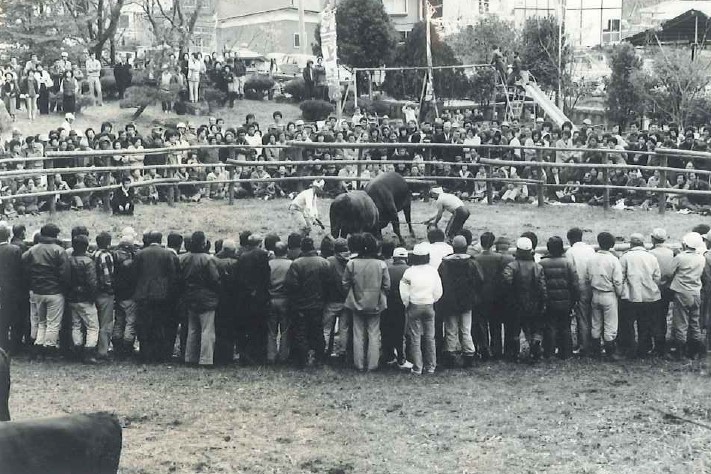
421 285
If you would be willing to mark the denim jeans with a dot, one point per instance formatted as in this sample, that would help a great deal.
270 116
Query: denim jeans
421 328
50 309
200 346
331 313
95 89
125 323
105 307
85 314
582 318
458 333
604 315
686 324
366 340
278 330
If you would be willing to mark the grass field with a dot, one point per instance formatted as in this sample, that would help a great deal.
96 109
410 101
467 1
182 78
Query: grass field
558 417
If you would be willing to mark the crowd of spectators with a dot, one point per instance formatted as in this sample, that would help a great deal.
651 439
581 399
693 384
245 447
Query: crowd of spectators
261 300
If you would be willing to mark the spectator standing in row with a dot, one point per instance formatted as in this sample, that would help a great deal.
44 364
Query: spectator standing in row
604 279
392 323
11 292
309 79
460 282
279 324
104 292
93 77
124 334
123 75
81 298
306 281
320 82
69 88
252 279
665 258
420 289
562 285
366 281
580 254
640 297
334 311
201 287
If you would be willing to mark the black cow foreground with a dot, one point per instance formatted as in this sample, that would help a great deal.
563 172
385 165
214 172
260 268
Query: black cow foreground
75 444
352 213
391 194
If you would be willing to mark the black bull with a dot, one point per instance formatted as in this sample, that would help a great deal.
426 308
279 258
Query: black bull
75 444
352 213
391 194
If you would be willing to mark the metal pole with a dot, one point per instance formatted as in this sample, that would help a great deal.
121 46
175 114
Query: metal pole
663 184
107 193
302 28
355 88
489 185
606 182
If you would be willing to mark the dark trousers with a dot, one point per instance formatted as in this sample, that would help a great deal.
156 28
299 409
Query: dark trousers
644 315
152 326
512 337
178 317
43 100
494 313
225 331
660 320
392 330
557 334
252 330
480 333
308 333
456 223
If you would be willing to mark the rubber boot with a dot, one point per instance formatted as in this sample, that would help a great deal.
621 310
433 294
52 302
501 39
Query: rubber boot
701 350
90 356
611 352
119 352
660 347
468 360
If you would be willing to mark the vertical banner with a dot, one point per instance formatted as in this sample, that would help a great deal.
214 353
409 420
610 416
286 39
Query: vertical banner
329 49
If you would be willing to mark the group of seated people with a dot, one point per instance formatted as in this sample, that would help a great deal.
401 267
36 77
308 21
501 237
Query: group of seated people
204 173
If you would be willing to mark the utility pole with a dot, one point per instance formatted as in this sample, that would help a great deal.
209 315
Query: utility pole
561 21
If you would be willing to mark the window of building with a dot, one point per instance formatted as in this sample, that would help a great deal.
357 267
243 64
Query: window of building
403 35
611 34
297 40
483 6
395 7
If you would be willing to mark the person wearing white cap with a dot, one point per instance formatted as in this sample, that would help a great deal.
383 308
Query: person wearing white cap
665 258
124 332
452 204
604 278
527 284
640 297
304 208
392 324
579 254
688 268
420 289
68 123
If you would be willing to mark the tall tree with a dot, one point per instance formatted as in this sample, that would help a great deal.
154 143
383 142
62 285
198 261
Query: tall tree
539 52
173 22
96 21
34 27
366 36
674 89
623 103
475 43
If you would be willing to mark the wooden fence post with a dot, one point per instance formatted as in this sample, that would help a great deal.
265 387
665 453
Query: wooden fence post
52 199
663 184
359 167
540 190
489 183
231 185
107 194
428 172
606 182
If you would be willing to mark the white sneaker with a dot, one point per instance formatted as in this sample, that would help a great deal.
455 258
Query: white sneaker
407 365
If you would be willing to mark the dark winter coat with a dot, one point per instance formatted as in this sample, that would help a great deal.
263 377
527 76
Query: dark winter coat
490 266
201 282
158 274
47 265
460 281
306 282
334 288
253 276
82 288
124 276
527 285
561 283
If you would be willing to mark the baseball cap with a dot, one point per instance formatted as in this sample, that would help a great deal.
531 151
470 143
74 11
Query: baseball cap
69 115
180 125
299 122
318 183
693 240
400 252
524 243
437 190
587 122
659 234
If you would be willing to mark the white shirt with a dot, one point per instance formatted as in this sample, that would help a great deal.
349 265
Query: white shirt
305 201
516 142
580 255
420 284
255 140
449 202
438 251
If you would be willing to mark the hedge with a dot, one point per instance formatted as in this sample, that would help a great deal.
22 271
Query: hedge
313 110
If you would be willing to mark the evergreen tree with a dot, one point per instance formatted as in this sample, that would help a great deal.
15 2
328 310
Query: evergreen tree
623 103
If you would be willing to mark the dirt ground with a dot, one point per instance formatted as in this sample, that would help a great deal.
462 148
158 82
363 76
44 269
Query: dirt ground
558 417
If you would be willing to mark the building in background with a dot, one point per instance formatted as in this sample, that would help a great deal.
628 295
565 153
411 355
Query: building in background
405 14
588 23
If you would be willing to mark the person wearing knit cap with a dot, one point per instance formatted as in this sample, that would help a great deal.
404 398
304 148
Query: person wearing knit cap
392 322
604 279
688 268
665 258
527 284
278 324
640 297
492 303
460 282
452 204
123 336
306 283
334 311
420 289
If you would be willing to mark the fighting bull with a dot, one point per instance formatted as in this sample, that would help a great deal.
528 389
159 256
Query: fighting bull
352 213
75 444
391 194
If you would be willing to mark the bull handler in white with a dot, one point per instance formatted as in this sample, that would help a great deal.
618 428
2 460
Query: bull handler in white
452 204
304 210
